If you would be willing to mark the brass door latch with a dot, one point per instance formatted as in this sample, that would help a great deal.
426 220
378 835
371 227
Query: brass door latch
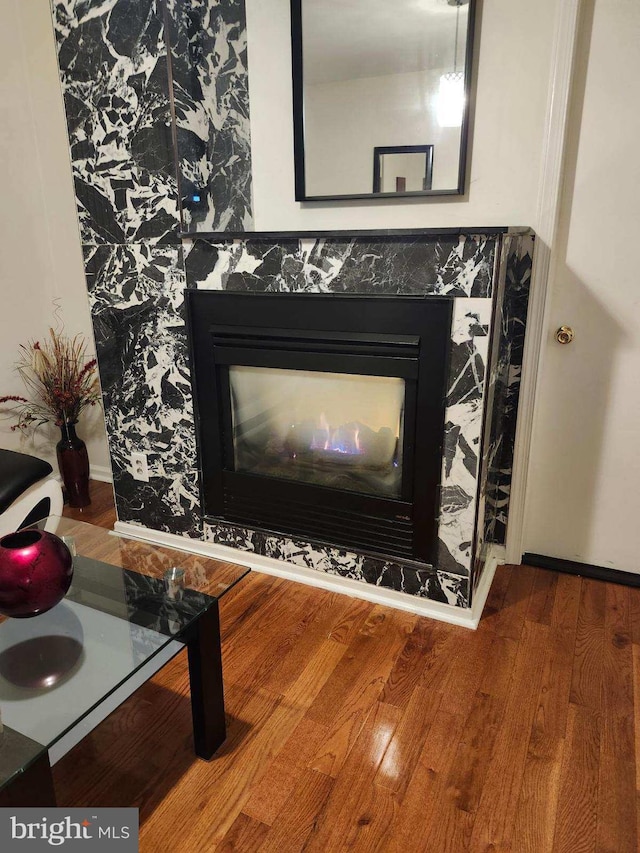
564 335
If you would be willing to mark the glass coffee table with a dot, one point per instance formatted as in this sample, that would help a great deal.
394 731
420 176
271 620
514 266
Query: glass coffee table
126 614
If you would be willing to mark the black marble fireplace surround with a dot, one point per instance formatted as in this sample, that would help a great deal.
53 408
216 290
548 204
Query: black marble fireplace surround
125 114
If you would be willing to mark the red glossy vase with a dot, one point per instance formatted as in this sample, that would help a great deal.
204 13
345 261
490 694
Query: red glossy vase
73 462
36 568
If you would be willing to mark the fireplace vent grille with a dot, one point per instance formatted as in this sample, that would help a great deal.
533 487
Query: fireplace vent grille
328 524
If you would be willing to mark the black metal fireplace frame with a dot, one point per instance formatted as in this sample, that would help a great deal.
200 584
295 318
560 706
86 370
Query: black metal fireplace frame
407 337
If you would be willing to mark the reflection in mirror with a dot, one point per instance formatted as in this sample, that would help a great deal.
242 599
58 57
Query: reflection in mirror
402 168
370 74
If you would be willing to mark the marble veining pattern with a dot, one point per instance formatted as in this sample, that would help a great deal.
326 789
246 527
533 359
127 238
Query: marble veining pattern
137 294
510 324
441 586
208 41
449 266
113 69
463 428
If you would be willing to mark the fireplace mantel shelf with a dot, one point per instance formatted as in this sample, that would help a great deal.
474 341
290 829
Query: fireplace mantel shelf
228 236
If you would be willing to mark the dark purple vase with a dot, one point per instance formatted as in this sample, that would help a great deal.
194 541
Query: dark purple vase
73 462
36 568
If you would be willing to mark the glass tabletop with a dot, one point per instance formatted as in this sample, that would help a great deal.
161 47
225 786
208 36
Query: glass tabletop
121 611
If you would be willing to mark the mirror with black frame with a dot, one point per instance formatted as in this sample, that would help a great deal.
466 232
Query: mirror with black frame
385 84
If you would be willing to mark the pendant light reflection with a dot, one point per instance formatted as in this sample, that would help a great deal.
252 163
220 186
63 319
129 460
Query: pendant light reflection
451 100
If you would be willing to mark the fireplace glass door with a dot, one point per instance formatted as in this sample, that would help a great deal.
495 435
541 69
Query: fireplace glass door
338 430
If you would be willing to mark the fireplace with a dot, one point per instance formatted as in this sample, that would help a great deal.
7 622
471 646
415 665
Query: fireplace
322 416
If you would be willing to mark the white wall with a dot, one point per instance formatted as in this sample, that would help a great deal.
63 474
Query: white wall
41 259
513 74
345 120
583 499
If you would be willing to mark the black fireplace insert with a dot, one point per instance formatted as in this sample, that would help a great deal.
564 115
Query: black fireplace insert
321 416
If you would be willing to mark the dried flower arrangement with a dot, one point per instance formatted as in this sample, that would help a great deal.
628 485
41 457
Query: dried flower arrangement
61 379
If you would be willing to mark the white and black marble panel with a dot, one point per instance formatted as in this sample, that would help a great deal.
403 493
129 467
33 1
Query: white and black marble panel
433 584
503 390
401 265
113 69
208 40
463 430
137 305
510 319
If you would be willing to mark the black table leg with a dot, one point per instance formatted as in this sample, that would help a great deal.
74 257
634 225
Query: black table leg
205 676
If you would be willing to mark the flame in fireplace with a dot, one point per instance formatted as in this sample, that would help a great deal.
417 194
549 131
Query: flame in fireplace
343 439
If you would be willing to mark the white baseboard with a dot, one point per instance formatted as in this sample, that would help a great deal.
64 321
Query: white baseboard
465 617
101 472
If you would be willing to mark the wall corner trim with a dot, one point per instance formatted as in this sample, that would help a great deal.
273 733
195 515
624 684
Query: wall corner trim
548 206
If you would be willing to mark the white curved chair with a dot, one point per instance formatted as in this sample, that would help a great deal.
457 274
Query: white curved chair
28 491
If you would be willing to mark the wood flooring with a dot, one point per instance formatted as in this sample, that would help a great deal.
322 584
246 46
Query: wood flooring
355 727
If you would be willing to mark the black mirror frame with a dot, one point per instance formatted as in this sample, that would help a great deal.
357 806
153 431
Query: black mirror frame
297 65
378 151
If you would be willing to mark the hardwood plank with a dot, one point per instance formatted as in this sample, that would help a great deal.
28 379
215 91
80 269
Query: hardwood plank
351 621
617 815
550 720
586 684
408 668
617 673
634 613
305 640
332 754
245 834
636 704
616 829
300 631
301 746
497 593
465 672
537 805
509 620
298 819
382 636
542 598
567 602
443 644
238 611
366 823
396 768
283 775
361 814
269 795
316 672
431 819
475 750
497 809
259 649
578 799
